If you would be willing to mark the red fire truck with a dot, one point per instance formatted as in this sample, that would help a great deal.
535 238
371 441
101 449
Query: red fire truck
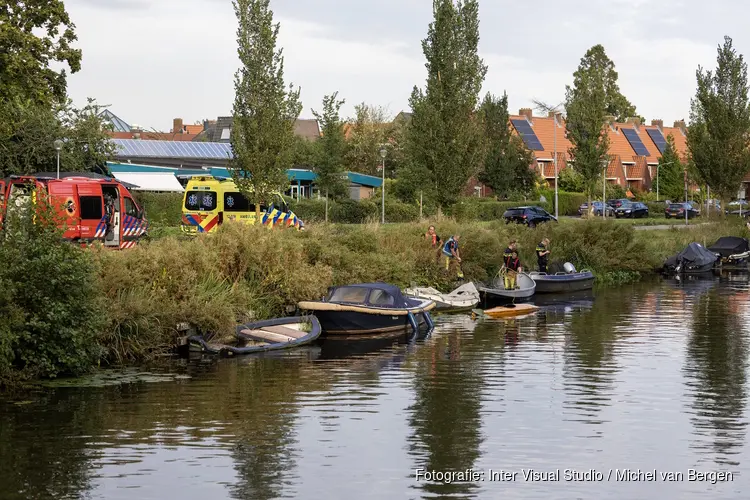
90 209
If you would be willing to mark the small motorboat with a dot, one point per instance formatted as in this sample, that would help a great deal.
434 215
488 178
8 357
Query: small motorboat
369 309
733 252
564 282
496 291
507 311
462 298
263 336
694 259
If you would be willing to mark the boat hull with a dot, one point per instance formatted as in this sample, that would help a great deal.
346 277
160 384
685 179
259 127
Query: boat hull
563 283
360 323
508 312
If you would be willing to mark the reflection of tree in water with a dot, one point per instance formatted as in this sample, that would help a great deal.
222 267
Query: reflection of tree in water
445 416
589 369
715 369
39 458
253 404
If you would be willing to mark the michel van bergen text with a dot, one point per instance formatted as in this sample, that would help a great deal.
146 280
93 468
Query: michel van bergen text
589 475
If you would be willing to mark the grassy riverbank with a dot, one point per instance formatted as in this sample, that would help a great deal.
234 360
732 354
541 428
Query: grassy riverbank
212 281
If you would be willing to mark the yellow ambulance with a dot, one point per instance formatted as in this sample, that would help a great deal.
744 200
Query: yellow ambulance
209 201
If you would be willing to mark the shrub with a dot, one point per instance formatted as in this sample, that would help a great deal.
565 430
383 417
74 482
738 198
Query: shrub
162 209
396 211
49 305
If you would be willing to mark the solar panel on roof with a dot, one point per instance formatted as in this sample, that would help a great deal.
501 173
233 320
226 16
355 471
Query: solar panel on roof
635 142
172 149
658 139
528 135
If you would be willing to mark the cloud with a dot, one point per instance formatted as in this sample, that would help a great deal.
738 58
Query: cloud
176 58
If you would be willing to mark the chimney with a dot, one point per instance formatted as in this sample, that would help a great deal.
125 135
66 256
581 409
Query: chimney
680 124
657 123
527 112
177 126
205 125
610 120
633 120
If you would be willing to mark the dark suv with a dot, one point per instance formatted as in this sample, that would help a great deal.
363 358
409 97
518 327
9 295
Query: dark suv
531 216
677 210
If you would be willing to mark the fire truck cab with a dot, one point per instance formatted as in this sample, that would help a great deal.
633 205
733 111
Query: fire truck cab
90 210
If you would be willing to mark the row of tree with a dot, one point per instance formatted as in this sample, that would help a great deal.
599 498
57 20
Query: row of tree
451 136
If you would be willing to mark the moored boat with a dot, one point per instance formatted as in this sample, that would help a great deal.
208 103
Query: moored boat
462 298
564 282
262 336
369 309
694 259
733 252
496 291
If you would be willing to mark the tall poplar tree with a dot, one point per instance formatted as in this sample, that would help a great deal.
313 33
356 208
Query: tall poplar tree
586 110
330 152
265 109
507 162
717 137
445 136
596 61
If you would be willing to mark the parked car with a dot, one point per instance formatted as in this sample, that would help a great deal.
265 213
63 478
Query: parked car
617 203
737 207
632 210
677 210
531 216
598 208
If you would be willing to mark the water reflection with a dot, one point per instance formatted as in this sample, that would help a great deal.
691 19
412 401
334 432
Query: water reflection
590 365
715 372
656 373
445 415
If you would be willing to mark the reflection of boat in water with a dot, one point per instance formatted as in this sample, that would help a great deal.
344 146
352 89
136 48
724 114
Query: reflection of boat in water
693 285
565 303
462 322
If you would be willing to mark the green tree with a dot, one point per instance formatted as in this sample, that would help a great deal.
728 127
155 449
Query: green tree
33 34
586 109
330 150
507 162
303 152
445 137
264 109
717 137
87 145
596 61
671 173
570 180
370 128
28 132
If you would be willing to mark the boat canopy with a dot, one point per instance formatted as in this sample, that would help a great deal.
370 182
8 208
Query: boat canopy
694 255
373 294
730 245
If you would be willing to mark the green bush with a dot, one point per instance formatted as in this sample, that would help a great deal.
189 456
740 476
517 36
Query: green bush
50 311
569 202
352 212
396 211
162 209
310 210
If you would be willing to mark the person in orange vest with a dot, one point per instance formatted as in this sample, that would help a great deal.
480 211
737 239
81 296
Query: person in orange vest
434 239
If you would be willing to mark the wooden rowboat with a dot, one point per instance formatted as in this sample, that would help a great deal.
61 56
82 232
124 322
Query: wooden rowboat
507 311
262 336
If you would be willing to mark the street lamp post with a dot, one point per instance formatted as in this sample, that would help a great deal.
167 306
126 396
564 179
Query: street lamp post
686 204
58 147
383 153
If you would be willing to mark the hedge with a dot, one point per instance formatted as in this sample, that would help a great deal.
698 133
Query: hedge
161 209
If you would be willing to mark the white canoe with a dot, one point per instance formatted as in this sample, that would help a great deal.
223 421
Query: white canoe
464 297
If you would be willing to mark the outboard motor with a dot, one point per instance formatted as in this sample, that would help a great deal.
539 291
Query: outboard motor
569 268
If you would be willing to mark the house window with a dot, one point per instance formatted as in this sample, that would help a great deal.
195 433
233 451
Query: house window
225 134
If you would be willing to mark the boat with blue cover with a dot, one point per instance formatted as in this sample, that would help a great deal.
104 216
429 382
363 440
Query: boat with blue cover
368 309
563 282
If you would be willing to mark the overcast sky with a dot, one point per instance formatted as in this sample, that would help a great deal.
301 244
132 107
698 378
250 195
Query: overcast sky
154 60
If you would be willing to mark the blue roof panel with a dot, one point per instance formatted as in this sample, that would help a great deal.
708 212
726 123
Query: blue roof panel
635 142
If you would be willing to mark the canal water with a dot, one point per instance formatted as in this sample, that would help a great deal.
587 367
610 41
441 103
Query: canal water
639 392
